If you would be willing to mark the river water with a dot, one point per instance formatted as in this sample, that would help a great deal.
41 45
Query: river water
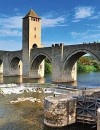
29 116
88 80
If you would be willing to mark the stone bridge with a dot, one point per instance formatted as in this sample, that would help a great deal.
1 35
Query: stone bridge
62 57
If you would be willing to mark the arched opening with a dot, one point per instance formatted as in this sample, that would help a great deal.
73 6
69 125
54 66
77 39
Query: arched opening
88 60
72 59
34 46
16 66
1 66
41 66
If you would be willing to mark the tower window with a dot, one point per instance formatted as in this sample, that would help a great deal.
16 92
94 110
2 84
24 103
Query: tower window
34 36
34 46
34 28
33 19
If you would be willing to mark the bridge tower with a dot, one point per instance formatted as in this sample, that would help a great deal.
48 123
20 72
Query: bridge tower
31 39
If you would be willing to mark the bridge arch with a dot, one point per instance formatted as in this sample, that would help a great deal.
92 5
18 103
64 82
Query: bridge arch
37 66
1 66
16 66
71 59
37 60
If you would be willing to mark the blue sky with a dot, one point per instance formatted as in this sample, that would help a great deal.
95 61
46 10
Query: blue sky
63 21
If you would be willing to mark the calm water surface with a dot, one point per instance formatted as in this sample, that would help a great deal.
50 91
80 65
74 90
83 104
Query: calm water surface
29 116
88 80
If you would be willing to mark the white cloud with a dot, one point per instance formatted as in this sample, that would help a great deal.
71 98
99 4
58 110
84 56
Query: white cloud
59 21
96 35
53 19
83 12
86 35
10 45
11 22
76 20
74 34
97 16
10 32
16 10
98 26
10 26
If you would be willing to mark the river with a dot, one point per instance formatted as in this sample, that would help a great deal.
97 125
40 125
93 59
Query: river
87 80
29 116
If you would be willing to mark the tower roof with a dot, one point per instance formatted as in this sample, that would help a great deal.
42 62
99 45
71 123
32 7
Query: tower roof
31 13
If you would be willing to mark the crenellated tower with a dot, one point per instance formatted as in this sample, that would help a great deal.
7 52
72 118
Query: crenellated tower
31 38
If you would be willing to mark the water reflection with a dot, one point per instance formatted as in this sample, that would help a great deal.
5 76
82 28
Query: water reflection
19 79
91 79
25 80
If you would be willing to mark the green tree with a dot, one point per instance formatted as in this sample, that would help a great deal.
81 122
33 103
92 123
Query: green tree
48 66
85 61
87 64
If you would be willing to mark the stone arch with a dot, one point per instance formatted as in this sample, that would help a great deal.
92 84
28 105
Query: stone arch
1 66
73 57
38 59
34 46
16 66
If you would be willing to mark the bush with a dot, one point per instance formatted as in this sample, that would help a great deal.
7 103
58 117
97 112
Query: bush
48 68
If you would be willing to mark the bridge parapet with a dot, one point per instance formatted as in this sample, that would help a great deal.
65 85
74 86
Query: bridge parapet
81 49
57 45
46 51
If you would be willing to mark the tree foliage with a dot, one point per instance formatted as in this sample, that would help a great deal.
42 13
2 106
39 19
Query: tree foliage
86 63
48 66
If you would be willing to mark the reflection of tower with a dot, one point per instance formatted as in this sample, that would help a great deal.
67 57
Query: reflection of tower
31 38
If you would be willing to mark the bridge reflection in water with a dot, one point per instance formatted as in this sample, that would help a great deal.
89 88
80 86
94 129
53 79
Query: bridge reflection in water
19 79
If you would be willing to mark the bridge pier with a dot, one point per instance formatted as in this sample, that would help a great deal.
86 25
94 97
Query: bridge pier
37 72
6 64
58 72
57 57
70 76
1 67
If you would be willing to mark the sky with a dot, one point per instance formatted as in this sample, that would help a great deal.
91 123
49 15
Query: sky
63 21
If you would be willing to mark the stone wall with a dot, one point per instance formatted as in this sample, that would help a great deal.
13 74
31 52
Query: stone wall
59 111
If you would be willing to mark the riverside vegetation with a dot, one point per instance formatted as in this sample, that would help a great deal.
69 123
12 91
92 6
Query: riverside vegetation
48 66
84 64
87 64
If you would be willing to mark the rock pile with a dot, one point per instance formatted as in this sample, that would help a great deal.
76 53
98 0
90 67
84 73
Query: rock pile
31 99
